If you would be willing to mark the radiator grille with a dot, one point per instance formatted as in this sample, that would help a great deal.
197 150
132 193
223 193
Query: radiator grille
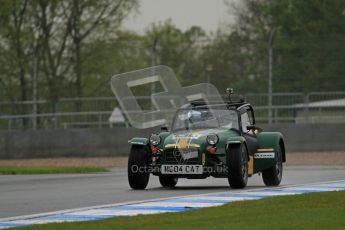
189 156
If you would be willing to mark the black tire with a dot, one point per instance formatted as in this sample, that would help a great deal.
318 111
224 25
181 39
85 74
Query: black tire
137 159
237 162
168 181
273 176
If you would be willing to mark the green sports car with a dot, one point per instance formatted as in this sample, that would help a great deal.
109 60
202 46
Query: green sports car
219 140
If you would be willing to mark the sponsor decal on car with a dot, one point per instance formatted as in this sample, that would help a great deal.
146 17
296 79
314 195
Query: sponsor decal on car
264 155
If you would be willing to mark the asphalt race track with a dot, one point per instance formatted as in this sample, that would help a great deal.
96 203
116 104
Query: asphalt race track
32 194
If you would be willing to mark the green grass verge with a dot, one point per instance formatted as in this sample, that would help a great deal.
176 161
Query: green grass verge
14 170
308 211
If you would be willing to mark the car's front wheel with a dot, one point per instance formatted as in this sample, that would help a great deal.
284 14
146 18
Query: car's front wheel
273 176
237 162
138 177
168 181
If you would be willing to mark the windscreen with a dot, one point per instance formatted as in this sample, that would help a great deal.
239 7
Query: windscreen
204 118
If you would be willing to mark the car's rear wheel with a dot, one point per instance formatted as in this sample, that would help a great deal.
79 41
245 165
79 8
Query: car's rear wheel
237 162
138 177
273 176
168 181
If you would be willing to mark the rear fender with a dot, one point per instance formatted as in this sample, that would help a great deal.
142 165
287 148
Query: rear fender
266 154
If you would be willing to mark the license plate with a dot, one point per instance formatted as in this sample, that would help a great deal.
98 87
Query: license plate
181 169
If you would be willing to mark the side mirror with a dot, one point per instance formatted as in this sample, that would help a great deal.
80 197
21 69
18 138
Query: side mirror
164 129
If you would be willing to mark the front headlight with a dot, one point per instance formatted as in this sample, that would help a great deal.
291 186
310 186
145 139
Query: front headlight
212 139
155 139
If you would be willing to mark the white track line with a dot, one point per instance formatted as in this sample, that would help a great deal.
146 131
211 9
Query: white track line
171 204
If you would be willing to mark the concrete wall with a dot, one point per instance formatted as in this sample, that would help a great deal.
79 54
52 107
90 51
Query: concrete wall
110 142
311 137
69 142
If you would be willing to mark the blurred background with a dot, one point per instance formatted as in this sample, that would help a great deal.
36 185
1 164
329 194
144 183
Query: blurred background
57 57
